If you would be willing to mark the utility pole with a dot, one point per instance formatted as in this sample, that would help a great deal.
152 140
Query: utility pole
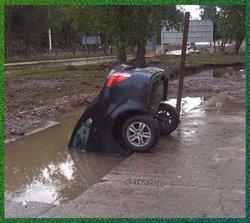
162 38
183 59
49 32
50 41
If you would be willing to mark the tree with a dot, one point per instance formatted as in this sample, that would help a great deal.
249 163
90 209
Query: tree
128 26
28 25
114 24
210 12
147 22
120 26
8 30
229 23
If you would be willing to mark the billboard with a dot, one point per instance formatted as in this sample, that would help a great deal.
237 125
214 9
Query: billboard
91 40
199 31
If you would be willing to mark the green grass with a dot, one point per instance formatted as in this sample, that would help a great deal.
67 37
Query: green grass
58 71
203 58
53 57
103 68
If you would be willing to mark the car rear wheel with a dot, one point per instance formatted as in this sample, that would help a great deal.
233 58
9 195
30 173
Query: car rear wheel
140 133
167 118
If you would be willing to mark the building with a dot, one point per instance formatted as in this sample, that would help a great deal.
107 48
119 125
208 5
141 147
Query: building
200 31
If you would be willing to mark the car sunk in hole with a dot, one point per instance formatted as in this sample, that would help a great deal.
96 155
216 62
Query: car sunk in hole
128 115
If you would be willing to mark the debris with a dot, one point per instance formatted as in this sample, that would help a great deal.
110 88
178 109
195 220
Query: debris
25 204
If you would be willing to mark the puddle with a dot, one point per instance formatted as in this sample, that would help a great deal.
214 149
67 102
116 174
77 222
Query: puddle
187 103
40 168
222 104
218 73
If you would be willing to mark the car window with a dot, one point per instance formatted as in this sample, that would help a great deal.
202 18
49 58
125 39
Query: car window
82 134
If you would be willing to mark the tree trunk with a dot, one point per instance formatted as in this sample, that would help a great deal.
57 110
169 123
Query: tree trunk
27 53
121 41
140 55
105 48
238 44
6 50
215 46
65 38
121 54
223 46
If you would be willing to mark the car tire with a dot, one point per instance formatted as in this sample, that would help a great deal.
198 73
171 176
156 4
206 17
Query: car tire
139 133
167 118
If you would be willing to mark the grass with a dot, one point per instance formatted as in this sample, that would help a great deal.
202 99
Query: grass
103 68
199 59
54 57
58 71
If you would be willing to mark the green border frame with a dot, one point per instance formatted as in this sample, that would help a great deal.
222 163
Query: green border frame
122 2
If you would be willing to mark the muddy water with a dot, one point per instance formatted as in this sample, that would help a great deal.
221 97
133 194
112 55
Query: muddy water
40 168
218 73
187 103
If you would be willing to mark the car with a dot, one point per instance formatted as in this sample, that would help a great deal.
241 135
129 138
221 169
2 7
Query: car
191 48
128 115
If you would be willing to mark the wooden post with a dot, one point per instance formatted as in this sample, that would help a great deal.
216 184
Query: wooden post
182 64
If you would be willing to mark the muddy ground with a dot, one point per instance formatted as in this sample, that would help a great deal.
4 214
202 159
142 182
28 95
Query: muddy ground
37 94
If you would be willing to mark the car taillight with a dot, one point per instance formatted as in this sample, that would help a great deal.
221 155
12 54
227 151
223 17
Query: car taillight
115 78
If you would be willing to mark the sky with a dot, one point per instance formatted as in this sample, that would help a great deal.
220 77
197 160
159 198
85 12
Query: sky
193 9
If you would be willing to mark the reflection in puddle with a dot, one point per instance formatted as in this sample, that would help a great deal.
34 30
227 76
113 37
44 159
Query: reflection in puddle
187 103
40 168
222 72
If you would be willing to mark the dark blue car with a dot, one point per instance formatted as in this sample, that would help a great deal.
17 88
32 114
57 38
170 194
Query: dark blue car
129 113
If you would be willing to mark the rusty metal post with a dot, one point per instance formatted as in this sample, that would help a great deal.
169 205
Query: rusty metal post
182 64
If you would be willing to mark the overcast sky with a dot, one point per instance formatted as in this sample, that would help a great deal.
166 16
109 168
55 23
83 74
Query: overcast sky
193 9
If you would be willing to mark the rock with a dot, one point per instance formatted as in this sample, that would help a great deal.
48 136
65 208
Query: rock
17 131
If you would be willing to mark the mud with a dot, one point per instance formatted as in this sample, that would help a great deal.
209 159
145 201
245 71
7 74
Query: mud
30 101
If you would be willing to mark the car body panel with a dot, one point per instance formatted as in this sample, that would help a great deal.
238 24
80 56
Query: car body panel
131 96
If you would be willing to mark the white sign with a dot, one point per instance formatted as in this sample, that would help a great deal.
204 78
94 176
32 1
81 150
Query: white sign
199 31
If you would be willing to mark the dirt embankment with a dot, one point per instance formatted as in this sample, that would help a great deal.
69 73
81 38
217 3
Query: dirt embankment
31 99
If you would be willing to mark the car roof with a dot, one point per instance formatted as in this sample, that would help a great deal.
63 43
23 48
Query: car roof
147 71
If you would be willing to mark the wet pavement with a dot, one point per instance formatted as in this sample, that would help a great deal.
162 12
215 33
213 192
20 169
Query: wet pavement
197 171
40 168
